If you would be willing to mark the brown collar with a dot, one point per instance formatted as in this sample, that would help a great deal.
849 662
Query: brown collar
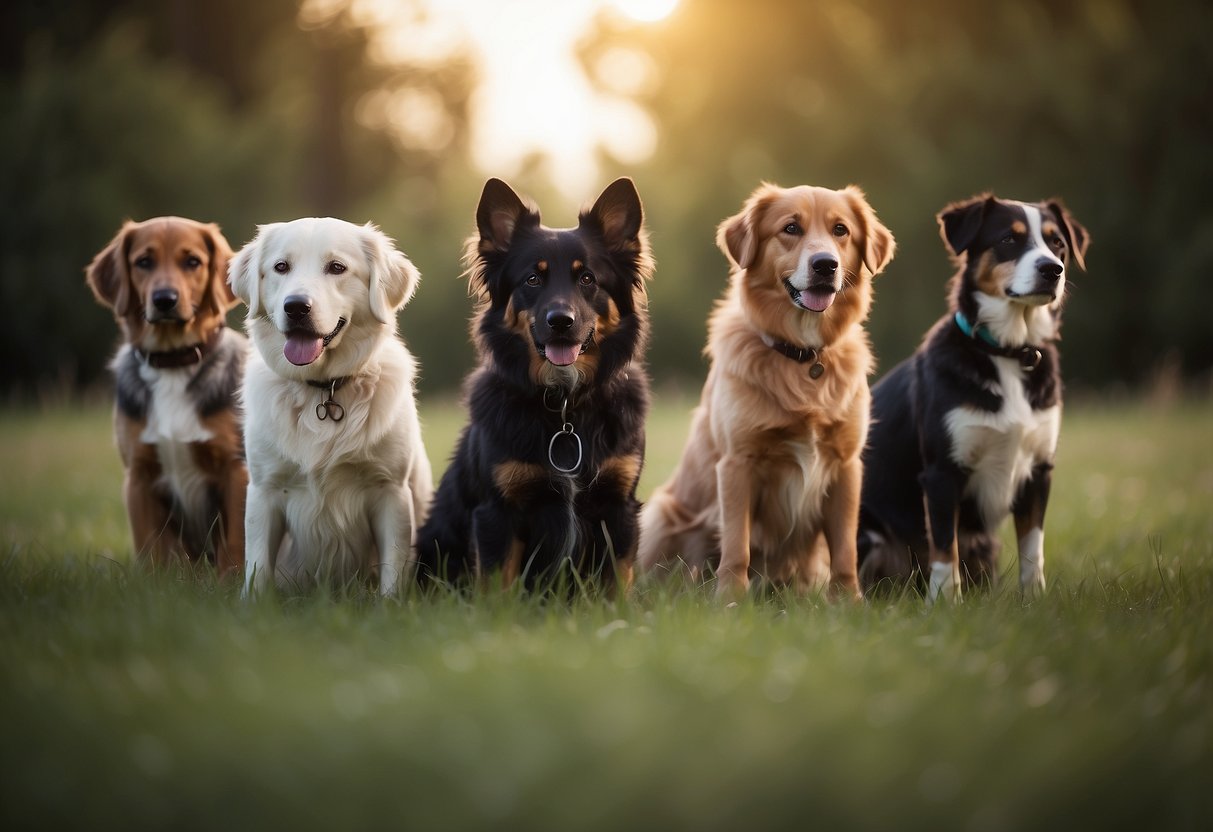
183 356
801 355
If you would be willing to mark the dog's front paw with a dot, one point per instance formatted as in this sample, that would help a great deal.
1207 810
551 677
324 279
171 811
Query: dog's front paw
944 583
1033 587
731 586
845 588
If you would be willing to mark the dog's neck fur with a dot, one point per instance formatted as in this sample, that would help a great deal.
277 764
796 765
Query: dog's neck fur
1014 324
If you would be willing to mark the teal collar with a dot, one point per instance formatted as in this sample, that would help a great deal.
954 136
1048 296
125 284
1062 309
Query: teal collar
978 331
1028 356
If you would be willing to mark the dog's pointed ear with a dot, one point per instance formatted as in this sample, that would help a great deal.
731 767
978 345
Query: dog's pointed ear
109 275
393 276
738 236
959 222
618 215
244 270
878 243
500 213
1076 235
218 297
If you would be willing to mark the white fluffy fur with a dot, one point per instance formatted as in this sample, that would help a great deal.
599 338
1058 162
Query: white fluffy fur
328 500
1001 448
172 425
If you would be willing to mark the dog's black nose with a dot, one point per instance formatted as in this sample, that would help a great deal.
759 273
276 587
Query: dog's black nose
297 307
1049 270
560 320
824 264
164 299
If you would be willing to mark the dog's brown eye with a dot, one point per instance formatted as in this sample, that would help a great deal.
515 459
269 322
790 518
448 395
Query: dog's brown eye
792 228
532 280
335 268
1058 243
586 279
840 230
282 267
144 262
1008 240
192 262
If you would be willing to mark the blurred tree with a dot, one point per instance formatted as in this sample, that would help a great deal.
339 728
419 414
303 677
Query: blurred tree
224 111
1103 102
237 113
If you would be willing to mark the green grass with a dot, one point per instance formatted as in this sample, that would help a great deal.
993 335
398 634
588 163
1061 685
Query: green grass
137 701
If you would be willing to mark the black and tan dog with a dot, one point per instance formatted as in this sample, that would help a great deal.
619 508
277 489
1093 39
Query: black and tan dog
178 369
544 475
964 431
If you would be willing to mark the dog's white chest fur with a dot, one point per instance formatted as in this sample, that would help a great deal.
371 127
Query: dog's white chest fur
1001 448
172 425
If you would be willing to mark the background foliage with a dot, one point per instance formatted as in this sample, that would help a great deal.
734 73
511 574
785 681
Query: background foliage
233 112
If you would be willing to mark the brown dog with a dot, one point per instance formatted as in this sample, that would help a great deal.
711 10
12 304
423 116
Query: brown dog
770 477
177 371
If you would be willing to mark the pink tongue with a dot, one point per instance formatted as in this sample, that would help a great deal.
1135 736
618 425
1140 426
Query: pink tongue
817 301
562 354
302 349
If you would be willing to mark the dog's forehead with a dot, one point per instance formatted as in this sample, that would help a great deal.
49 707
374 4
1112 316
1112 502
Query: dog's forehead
168 235
317 239
559 248
1008 213
810 201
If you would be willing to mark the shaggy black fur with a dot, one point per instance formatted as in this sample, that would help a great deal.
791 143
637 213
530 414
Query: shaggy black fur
547 297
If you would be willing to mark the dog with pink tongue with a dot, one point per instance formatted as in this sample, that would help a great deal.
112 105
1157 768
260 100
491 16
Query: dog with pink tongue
339 477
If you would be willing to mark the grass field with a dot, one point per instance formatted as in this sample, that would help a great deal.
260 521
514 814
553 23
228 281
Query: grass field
163 702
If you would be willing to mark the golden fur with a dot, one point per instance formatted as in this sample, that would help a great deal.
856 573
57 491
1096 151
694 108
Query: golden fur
769 480
183 446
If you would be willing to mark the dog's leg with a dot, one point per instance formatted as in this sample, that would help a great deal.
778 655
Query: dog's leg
1029 511
613 529
264 526
841 521
941 503
553 541
149 515
229 551
733 492
492 535
392 522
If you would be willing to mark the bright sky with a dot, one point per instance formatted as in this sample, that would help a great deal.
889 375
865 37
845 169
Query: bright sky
534 95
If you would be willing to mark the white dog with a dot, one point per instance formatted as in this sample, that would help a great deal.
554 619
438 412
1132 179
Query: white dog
339 478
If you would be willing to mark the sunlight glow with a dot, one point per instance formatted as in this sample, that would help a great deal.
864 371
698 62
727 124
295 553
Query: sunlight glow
646 11
535 99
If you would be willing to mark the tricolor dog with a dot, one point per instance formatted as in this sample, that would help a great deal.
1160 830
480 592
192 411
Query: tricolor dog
339 478
176 419
964 431
542 485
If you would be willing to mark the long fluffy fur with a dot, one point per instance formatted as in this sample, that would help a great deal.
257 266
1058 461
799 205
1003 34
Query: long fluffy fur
502 506
769 480
331 501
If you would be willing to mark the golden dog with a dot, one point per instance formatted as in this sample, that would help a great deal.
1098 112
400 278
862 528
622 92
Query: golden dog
770 478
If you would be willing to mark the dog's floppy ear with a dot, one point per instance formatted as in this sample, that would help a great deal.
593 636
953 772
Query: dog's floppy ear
618 215
737 236
244 270
393 277
218 296
109 275
500 213
878 242
959 222
1075 234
